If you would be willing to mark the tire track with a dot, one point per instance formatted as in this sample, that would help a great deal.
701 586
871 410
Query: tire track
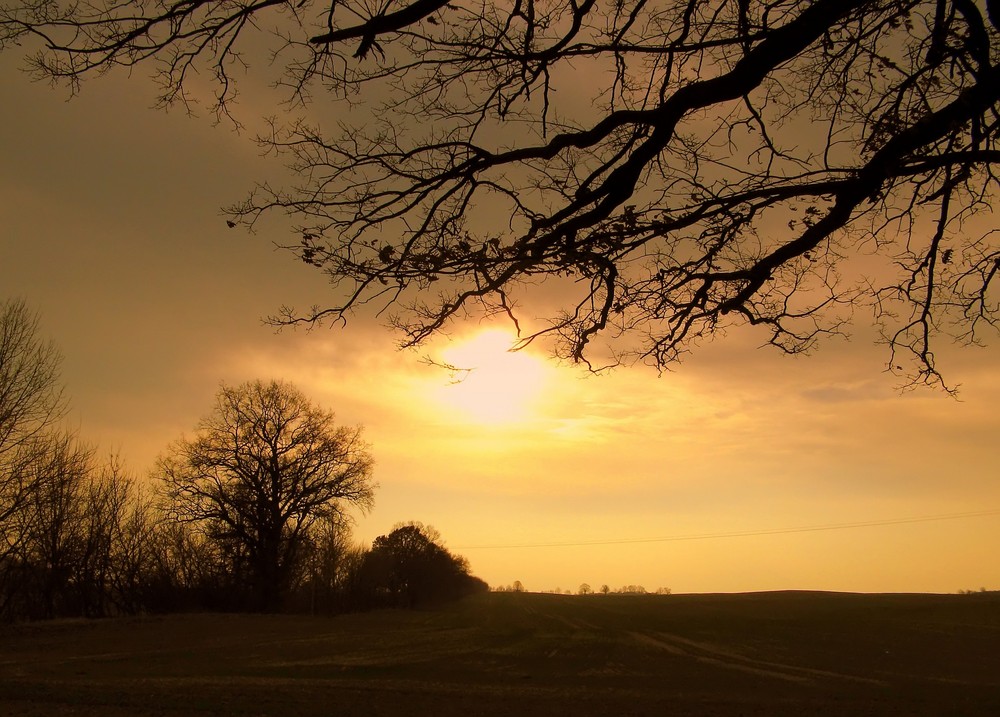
712 654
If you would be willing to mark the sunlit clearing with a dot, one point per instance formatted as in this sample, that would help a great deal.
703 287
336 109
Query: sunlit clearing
492 384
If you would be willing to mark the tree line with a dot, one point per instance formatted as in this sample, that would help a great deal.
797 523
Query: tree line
518 587
250 513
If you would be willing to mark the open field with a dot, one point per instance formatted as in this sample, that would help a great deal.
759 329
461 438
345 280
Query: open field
527 654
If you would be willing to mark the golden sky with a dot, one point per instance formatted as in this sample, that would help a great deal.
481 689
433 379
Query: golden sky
740 470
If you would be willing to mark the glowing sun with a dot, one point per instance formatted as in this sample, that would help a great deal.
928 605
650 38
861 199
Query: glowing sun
492 384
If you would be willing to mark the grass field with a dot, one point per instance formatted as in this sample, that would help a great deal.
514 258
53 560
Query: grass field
524 655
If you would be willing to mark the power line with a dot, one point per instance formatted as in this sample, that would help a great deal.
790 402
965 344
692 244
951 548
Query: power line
745 533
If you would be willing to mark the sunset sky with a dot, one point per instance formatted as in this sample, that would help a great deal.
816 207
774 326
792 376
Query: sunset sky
740 470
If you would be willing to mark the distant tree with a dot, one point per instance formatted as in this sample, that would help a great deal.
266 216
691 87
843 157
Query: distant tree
53 524
585 589
775 164
117 531
515 587
330 572
605 589
189 571
663 591
75 526
71 541
632 590
410 567
134 539
264 466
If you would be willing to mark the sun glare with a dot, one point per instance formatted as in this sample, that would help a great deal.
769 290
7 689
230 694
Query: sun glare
493 384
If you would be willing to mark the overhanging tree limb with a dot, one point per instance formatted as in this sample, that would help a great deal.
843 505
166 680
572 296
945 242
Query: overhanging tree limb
677 167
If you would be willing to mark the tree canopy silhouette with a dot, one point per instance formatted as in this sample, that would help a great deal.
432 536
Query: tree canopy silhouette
677 168
409 567
264 466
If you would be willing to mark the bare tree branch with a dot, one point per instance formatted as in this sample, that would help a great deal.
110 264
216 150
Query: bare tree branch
676 167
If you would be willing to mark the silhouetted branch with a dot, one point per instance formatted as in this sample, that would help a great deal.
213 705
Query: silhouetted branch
724 163
381 24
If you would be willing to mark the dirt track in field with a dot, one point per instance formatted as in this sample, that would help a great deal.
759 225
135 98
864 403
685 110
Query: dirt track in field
527 654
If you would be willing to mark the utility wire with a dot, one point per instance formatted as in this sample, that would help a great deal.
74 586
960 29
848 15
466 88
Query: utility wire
745 533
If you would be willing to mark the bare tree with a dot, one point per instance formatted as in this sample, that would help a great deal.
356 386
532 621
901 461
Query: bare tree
186 571
132 537
31 402
54 521
116 541
779 163
331 566
62 516
31 399
263 467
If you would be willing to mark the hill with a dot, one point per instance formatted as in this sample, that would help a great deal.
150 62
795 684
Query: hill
785 653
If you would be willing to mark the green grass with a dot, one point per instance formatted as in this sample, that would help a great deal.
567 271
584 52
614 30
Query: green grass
526 654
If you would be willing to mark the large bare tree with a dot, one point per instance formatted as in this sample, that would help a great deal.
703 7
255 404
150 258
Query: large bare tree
31 403
263 467
678 167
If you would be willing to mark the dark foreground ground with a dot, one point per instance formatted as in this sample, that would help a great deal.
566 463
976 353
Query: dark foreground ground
526 655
